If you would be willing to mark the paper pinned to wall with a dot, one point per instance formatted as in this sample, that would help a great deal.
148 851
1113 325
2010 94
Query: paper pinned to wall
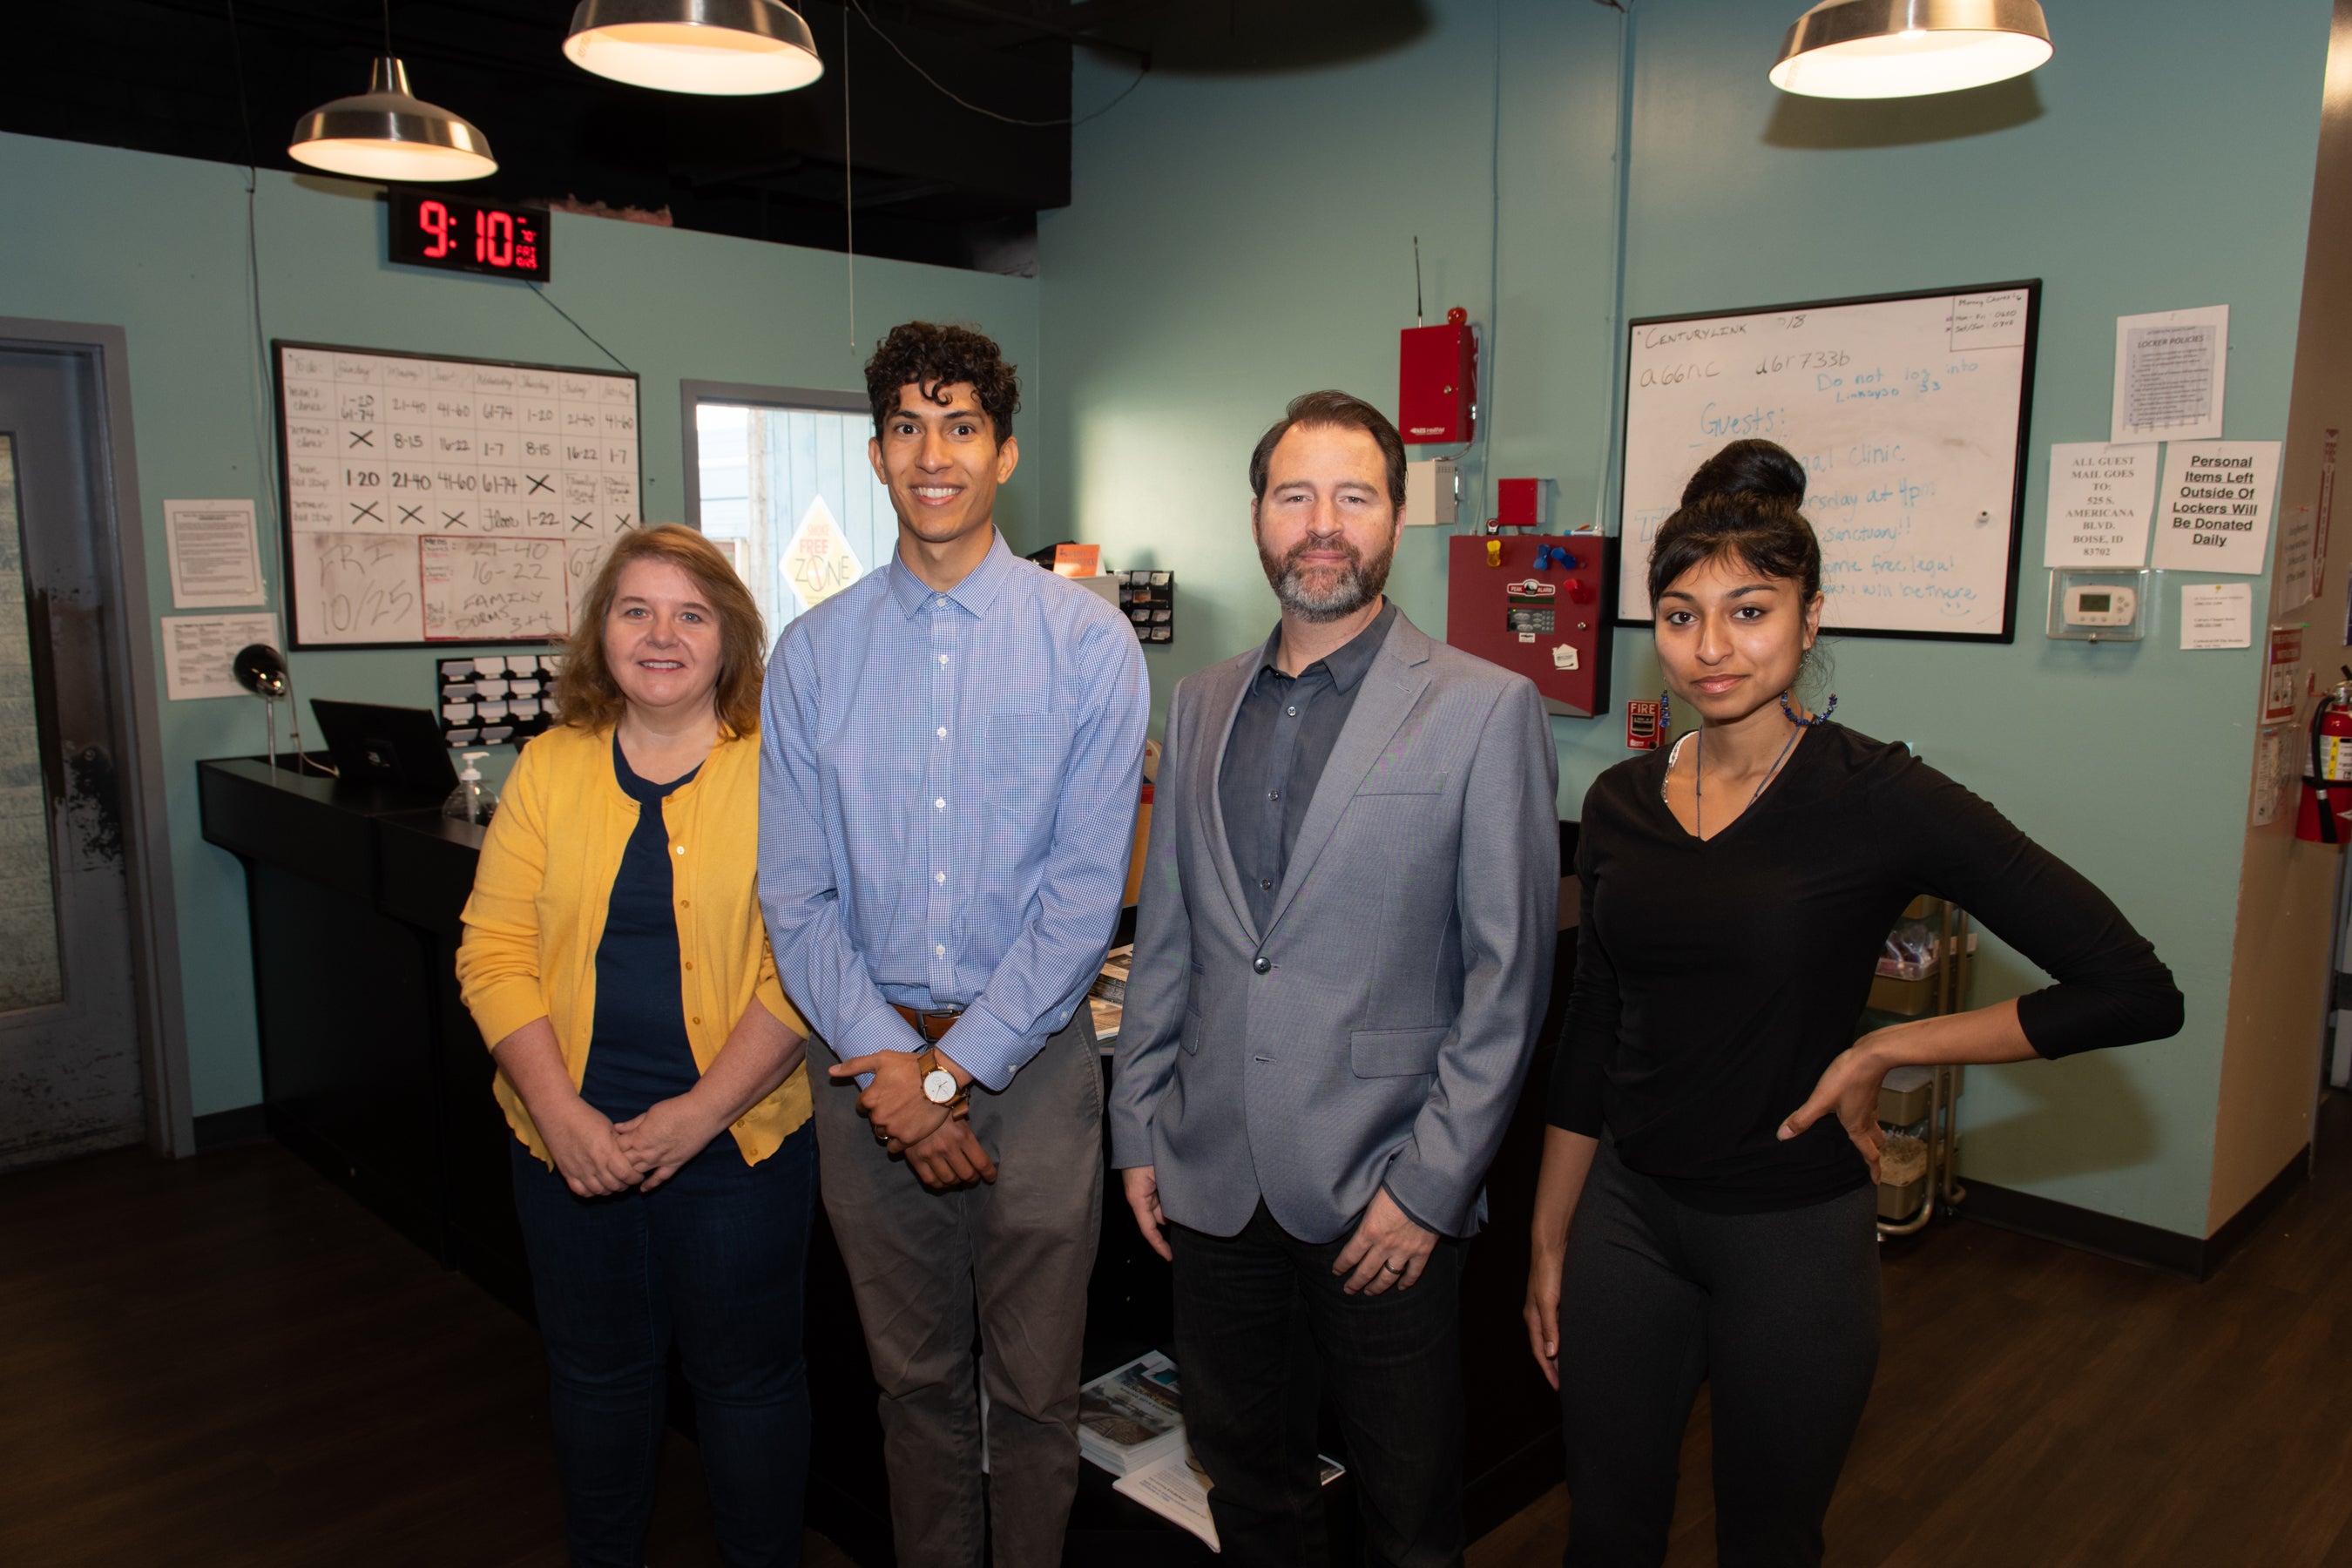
2169 371
2214 511
2270 756
199 650
215 553
2217 615
2101 496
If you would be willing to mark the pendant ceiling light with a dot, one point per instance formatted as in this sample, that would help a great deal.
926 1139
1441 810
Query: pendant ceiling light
725 47
388 134
1907 48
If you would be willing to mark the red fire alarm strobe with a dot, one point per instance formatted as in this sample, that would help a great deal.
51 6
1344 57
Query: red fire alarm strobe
1437 381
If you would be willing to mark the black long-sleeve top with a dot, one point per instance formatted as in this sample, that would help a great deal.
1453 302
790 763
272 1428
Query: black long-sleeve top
1715 980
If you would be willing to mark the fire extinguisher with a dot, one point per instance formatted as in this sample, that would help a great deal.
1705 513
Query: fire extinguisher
2328 782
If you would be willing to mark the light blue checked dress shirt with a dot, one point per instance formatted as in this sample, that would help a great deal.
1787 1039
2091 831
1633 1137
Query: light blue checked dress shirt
948 787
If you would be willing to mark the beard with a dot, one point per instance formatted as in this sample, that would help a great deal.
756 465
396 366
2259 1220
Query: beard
1342 592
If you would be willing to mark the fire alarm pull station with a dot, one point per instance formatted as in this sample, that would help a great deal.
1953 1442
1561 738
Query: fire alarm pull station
1437 381
1541 606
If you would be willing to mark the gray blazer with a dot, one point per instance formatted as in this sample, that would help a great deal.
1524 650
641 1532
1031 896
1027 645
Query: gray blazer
1375 1033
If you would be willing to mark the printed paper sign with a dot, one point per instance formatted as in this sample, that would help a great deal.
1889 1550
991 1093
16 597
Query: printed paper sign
2214 511
199 650
2101 496
215 562
2217 615
2169 369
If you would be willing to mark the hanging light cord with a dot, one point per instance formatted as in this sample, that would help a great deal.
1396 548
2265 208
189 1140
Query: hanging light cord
263 421
387 29
848 186
1141 71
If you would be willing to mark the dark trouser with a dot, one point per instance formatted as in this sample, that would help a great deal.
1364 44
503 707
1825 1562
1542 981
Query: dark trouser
1778 1313
714 1259
1262 1326
1014 1255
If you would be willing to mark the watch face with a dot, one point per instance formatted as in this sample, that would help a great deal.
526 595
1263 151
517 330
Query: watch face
939 1086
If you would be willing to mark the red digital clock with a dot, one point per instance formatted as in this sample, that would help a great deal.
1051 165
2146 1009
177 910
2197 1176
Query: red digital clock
463 235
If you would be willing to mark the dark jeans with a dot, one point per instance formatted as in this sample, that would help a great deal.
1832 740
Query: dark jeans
714 1260
1262 1328
1778 1313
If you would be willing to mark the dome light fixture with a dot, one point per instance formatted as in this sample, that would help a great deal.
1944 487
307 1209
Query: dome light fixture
389 133
728 48
1909 49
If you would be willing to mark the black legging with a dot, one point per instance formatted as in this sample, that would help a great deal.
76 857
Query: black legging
1778 1313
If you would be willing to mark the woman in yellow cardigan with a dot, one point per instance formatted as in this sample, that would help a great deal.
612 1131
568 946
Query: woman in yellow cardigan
647 1060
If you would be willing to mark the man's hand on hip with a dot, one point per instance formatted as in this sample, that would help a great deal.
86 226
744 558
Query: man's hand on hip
1143 1196
894 1101
1388 1249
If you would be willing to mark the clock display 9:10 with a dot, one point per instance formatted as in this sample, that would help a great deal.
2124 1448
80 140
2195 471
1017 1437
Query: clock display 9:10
468 237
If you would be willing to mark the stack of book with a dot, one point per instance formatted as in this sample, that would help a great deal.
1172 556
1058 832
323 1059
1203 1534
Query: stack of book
1131 1417
1108 995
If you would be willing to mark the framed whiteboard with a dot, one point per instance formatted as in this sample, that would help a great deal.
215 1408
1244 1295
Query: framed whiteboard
446 500
1910 412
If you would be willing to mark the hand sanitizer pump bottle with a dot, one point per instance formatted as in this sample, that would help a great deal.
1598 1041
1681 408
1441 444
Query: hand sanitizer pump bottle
472 801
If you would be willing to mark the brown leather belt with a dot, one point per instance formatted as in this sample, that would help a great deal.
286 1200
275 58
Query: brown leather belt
932 1025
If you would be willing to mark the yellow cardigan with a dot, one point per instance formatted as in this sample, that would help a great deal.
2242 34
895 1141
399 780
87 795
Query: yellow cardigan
541 890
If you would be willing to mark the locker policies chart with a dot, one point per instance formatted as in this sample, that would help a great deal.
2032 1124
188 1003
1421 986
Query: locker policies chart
447 501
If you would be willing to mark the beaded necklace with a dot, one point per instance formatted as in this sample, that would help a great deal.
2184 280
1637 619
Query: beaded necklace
1699 775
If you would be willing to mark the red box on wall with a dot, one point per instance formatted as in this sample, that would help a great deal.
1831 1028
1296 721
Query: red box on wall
1519 503
1437 381
1550 624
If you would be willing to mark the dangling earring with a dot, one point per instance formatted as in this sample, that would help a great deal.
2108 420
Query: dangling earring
1666 715
1821 718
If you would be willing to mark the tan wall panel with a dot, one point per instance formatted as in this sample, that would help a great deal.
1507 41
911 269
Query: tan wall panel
2286 889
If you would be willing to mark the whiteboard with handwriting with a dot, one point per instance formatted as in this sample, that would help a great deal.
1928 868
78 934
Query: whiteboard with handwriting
1909 414
447 501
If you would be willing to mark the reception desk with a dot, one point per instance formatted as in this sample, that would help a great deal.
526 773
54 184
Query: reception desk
373 1072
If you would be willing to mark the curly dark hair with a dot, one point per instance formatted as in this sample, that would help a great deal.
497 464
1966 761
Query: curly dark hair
935 357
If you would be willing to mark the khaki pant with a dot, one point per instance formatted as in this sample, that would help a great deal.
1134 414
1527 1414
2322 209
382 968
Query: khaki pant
1014 1256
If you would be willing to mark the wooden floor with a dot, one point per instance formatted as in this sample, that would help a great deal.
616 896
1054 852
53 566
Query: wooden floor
225 1360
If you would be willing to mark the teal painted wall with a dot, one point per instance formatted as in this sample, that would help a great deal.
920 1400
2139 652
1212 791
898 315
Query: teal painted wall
157 247
1235 240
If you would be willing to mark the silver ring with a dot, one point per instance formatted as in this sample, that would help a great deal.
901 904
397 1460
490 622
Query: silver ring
1393 1267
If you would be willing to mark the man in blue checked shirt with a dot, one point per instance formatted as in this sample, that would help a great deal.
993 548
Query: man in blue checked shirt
950 762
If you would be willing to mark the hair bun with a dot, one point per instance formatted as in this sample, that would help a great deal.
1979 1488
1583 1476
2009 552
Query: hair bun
1762 468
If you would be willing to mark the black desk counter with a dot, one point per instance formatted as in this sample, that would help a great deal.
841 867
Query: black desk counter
373 1072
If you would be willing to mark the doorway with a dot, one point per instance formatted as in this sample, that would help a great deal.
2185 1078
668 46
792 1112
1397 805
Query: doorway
78 1070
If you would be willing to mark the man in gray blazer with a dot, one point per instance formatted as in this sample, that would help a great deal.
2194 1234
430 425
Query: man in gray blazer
1348 911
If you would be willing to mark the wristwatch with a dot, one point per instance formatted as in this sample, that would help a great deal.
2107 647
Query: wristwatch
939 1086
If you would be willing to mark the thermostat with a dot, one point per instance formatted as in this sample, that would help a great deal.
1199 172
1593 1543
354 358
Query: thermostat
2096 606
2101 606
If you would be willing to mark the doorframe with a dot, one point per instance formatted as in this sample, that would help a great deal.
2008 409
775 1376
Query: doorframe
147 861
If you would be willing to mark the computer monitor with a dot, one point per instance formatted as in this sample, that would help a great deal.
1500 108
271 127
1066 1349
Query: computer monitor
379 745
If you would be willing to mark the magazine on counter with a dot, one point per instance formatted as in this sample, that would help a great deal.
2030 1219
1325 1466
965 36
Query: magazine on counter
1176 1489
1131 1417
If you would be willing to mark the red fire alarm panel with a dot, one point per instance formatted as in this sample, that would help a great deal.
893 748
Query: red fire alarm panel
1541 606
1437 381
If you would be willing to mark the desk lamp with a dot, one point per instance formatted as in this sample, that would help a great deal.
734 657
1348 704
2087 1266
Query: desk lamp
261 671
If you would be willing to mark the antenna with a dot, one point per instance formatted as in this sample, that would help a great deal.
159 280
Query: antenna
1417 280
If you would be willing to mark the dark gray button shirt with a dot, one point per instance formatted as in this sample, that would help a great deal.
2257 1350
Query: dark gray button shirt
1282 736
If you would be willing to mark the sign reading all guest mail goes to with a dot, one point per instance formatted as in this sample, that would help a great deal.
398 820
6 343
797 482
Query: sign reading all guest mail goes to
2213 513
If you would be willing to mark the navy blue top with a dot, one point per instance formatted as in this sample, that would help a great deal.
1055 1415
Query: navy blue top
638 1052
1282 736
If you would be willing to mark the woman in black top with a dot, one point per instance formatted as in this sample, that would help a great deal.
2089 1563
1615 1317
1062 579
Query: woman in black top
1714 1121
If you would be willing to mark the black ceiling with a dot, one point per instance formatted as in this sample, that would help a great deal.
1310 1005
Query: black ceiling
933 181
